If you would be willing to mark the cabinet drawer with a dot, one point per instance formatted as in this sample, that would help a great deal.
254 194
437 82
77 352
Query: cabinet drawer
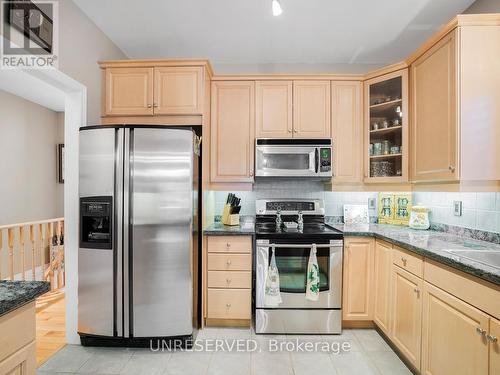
229 304
230 244
229 279
229 262
405 260
17 329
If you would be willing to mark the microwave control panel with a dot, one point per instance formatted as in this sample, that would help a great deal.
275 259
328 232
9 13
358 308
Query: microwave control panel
325 159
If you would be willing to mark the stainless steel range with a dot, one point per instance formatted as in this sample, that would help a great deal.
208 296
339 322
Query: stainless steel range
291 227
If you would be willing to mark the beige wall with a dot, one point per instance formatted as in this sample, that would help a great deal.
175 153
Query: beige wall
28 147
81 45
484 6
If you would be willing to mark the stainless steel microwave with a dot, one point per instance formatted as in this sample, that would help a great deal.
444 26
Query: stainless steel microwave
293 158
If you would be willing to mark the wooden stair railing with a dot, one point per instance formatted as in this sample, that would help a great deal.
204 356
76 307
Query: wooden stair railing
51 235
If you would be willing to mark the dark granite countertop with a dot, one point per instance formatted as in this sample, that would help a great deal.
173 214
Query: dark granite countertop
14 294
440 246
219 229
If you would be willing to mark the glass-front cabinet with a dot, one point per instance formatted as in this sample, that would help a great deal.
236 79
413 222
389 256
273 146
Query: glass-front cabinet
386 128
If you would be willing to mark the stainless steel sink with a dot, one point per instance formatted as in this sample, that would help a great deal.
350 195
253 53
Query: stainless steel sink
490 258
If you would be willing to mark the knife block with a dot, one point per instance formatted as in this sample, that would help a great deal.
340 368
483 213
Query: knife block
228 218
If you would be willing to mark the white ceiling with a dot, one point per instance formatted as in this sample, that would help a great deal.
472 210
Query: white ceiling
243 36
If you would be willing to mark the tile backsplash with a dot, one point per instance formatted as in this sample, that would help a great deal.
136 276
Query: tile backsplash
334 201
480 211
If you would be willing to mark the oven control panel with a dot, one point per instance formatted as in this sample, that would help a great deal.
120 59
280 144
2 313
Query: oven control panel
289 206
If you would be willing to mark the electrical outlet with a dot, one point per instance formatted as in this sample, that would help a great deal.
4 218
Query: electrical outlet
372 202
457 208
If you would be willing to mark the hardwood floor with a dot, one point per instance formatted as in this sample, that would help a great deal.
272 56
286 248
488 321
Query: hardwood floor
50 327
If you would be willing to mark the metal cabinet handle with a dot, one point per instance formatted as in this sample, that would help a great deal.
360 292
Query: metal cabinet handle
289 130
451 168
155 105
228 281
492 339
228 305
149 105
480 331
228 244
295 131
228 262
404 260
416 290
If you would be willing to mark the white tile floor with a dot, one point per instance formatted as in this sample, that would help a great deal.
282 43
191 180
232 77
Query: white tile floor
368 354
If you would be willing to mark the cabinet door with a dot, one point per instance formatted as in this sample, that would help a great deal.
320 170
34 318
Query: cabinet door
493 338
383 267
407 314
178 90
128 91
311 109
452 342
232 131
358 279
273 111
22 362
347 133
434 112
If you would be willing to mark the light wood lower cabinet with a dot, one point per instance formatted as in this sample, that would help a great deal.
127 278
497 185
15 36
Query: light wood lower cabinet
229 280
493 338
358 278
407 314
229 303
17 341
382 290
453 335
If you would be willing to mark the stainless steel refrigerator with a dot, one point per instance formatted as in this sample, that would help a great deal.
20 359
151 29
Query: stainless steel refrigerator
138 253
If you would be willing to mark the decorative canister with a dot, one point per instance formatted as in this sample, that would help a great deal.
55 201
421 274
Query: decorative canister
385 147
419 217
377 148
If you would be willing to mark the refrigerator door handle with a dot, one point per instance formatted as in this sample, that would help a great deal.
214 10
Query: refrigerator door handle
126 231
118 233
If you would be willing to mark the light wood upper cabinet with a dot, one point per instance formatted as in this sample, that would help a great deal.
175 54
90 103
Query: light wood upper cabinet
382 289
358 279
452 339
347 131
493 338
407 314
232 131
311 109
178 90
273 109
434 113
128 91
386 126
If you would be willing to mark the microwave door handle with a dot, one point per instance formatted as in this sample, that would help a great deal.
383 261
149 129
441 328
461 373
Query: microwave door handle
316 160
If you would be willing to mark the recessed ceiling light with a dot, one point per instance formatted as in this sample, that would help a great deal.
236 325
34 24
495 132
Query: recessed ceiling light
277 10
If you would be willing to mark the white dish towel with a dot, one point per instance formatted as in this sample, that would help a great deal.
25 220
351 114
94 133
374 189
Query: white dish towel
312 287
272 295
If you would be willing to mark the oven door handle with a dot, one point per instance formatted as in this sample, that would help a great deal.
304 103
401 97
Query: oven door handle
300 245
316 160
